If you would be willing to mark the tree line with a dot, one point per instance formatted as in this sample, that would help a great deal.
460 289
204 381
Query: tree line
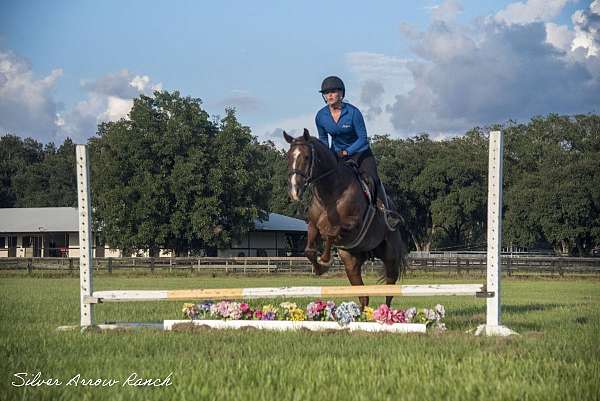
170 176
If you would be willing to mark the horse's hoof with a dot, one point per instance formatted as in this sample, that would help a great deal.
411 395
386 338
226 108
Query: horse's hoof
326 264
321 270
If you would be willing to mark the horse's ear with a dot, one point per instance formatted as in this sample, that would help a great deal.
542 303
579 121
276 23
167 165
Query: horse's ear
306 134
287 138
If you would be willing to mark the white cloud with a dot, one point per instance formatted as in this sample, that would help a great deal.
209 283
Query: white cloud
140 82
446 11
508 66
377 66
587 29
109 98
559 36
531 11
116 109
27 106
376 79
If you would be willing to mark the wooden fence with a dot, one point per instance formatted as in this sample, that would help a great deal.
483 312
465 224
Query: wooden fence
452 264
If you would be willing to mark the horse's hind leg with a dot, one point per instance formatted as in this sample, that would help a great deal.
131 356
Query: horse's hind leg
353 263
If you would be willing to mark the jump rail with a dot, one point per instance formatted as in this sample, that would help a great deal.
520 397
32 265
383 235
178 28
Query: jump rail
490 290
425 290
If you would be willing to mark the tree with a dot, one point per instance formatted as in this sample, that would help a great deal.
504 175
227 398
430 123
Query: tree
400 162
280 202
454 183
168 177
16 155
34 175
556 195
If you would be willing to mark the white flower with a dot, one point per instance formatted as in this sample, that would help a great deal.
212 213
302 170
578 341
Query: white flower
410 314
430 314
440 311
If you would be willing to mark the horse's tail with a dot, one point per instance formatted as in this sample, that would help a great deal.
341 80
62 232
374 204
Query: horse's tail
397 270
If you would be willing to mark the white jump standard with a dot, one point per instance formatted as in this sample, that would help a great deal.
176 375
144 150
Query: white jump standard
490 290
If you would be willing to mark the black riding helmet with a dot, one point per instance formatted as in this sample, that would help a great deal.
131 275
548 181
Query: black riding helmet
333 83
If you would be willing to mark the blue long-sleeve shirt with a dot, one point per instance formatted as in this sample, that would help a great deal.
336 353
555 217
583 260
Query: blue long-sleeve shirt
349 133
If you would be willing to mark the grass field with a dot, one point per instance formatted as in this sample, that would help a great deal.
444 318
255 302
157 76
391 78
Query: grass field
557 356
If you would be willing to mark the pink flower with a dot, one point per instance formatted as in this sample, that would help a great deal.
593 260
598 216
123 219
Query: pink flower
384 314
258 315
223 308
398 316
320 306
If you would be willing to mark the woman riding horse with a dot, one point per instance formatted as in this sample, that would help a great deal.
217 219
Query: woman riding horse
338 213
349 141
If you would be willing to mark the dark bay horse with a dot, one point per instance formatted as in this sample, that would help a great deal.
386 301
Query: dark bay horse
337 212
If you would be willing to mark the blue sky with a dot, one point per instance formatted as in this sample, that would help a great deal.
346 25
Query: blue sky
422 66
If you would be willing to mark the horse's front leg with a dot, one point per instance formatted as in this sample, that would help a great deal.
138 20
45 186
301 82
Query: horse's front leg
353 263
325 259
310 251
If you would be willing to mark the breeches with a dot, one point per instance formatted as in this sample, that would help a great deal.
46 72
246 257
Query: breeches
367 165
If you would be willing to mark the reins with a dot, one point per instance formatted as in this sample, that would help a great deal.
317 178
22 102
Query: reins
308 177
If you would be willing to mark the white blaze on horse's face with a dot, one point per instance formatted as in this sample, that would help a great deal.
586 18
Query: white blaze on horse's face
294 179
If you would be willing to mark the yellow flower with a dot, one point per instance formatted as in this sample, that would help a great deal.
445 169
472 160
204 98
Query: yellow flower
297 314
186 307
288 305
368 313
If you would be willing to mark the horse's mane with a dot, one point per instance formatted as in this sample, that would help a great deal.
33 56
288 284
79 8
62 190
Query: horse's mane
319 146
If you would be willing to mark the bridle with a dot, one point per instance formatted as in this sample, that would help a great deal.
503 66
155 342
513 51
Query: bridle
308 177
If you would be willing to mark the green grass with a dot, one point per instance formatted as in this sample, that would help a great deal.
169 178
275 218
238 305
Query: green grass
555 358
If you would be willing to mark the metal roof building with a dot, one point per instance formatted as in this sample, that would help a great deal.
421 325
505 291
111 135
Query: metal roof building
53 231
37 219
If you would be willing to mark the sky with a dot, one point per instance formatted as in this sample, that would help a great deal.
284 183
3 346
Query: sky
440 67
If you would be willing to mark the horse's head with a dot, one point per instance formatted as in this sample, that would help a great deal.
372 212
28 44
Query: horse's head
301 163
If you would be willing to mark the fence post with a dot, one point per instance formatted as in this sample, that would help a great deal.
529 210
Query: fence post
29 265
152 265
109 263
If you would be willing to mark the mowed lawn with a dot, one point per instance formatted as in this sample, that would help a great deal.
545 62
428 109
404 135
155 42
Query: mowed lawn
556 357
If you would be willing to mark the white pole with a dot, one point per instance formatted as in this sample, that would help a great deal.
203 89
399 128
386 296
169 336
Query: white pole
85 227
494 236
494 229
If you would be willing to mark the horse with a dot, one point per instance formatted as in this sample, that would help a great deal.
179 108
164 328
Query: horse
338 214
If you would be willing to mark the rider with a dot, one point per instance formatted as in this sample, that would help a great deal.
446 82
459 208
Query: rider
345 123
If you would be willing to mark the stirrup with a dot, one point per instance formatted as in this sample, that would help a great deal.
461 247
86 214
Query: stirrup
390 220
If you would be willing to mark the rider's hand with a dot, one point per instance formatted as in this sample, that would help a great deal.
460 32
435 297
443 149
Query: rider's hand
342 154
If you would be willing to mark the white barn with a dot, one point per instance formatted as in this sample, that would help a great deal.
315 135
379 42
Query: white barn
53 232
